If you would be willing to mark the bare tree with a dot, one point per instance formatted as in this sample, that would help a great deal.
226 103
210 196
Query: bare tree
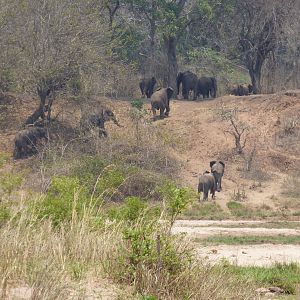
262 27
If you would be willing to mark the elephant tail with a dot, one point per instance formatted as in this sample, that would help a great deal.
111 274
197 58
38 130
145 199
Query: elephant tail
179 80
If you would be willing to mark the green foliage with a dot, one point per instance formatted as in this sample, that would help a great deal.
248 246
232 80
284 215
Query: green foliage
64 198
177 199
5 214
137 103
10 182
285 276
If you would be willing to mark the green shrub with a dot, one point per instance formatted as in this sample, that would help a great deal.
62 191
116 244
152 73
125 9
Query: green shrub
65 196
7 81
137 103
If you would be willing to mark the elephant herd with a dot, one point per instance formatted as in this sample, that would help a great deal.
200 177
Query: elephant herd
27 139
211 181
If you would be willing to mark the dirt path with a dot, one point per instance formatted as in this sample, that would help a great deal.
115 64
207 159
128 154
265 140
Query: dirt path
259 255
251 255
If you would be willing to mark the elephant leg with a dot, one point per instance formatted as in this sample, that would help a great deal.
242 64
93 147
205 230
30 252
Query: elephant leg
220 184
194 94
162 112
167 111
205 195
212 191
185 93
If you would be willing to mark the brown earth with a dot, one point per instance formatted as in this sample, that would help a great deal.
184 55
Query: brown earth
199 135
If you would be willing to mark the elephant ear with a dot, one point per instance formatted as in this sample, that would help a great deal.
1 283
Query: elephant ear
212 163
222 163
169 92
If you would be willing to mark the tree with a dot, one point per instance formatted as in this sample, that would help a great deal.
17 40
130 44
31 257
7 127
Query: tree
53 43
261 29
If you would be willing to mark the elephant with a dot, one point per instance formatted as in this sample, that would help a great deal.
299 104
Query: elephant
207 87
26 141
217 169
207 182
160 100
241 89
147 86
189 83
90 120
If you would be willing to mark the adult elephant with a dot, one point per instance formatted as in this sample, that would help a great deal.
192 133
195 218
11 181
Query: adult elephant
217 169
207 183
147 86
207 87
188 80
160 100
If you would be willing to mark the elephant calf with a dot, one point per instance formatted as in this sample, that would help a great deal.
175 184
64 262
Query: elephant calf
96 119
207 183
217 169
160 100
147 86
26 141
241 89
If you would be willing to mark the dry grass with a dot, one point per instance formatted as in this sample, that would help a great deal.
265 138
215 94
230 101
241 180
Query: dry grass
47 262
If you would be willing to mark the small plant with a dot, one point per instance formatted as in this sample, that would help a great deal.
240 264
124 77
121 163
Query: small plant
239 195
3 158
137 103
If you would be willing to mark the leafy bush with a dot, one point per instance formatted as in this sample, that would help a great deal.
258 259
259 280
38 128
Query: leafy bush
137 103
65 196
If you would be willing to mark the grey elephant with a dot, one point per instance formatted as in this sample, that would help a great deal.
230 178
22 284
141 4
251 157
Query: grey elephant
241 89
217 169
188 80
207 87
147 86
26 141
97 119
207 182
160 100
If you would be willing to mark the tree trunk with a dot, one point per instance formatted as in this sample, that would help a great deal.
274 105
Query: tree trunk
152 48
255 67
172 66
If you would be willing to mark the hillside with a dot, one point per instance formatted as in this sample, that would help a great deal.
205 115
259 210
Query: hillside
197 134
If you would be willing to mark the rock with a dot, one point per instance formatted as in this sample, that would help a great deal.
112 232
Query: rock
214 251
276 289
244 252
262 290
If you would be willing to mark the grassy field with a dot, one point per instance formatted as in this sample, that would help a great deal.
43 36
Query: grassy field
248 240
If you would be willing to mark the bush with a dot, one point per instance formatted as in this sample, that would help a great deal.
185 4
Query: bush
64 198
291 186
5 214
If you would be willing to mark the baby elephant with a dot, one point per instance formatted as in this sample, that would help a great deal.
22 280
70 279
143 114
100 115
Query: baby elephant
95 119
207 183
160 100
26 141
147 86
217 168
